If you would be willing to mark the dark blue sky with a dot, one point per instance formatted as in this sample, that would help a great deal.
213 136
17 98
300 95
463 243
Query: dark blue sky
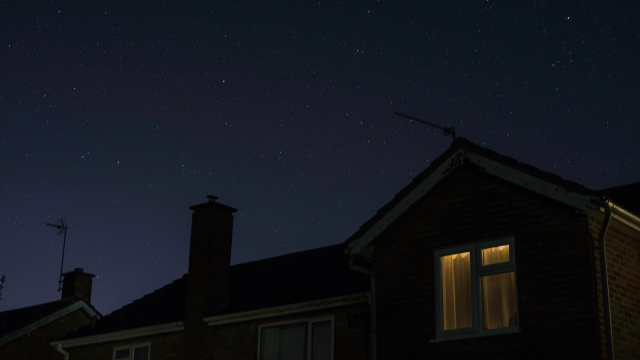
120 116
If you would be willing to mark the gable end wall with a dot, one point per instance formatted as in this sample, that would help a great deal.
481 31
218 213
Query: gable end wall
556 295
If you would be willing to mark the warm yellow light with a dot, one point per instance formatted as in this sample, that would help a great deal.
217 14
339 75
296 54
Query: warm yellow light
500 247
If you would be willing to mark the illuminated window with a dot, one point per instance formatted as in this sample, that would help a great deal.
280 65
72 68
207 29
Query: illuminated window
300 340
132 352
476 289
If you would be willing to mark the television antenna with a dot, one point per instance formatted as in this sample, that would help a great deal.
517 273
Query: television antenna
63 229
447 130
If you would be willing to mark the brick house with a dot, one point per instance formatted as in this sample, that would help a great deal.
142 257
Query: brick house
305 305
485 257
26 333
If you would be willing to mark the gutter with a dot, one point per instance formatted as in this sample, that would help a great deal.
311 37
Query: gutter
287 309
121 335
59 349
625 217
361 265
608 206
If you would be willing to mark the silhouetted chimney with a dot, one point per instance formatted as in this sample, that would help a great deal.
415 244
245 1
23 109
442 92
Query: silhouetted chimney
77 283
209 266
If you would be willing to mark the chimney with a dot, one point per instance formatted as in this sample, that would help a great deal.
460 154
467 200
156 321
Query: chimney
77 283
209 266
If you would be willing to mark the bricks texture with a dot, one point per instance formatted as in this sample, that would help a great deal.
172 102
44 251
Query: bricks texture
554 273
623 266
239 341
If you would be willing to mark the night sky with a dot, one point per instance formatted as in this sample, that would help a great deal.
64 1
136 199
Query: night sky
120 117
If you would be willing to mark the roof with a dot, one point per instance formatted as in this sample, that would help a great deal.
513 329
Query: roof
462 153
288 279
627 196
14 323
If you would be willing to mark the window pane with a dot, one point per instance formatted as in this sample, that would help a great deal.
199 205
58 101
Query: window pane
141 353
321 340
122 354
285 342
498 301
456 291
495 255
270 343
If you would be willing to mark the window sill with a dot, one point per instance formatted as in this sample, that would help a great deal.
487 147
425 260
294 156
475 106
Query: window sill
511 330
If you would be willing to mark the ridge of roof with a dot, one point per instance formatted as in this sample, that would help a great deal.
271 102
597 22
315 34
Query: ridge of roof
461 143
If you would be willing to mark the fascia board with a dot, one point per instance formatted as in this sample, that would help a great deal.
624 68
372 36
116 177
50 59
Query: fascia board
356 246
48 319
579 201
288 309
217 320
120 335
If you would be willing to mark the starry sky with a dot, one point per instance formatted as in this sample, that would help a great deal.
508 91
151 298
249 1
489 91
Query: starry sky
118 116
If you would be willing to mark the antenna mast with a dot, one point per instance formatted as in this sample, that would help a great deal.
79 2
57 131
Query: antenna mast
63 229
447 130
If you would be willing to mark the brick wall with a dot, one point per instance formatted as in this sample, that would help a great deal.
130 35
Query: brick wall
554 273
163 346
35 345
240 340
623 267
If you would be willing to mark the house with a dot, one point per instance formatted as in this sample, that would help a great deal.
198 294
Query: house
482 256
305 305
26 333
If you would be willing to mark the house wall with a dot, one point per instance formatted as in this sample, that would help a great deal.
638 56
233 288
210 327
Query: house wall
623 267
35 345
555 288
167 346
240 340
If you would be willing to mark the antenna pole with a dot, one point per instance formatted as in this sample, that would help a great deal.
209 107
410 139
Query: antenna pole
64 244
63 229
447 130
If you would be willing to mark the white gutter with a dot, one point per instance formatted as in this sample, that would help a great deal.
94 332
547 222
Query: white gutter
120 335
59 349
217 320
625 217
288 309
48 319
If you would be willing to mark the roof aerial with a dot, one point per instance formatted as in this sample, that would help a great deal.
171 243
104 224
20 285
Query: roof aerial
447 130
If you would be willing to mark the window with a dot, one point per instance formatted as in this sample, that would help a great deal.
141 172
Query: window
299 340
476 289
132 352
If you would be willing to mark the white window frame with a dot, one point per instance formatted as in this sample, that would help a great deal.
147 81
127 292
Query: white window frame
309 322
477 271
131 348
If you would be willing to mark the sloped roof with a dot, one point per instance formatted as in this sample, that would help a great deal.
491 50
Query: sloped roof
17 322
627 196
288 279
12 320
489 161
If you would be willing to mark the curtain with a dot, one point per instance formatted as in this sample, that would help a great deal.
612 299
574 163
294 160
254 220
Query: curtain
495 255
456 291
321 340
141 353
286 342
498 301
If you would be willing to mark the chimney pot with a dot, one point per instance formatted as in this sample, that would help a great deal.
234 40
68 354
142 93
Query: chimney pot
212 198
